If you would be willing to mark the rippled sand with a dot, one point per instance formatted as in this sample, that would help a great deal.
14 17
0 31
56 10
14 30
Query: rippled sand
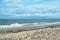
40 34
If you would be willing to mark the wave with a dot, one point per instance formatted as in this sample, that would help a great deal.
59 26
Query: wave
26 26
43 24
11 25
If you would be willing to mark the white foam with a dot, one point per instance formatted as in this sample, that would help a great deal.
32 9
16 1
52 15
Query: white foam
33 24
16 25
47 24
12 25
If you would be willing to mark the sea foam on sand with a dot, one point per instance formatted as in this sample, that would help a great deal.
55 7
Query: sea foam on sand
27 26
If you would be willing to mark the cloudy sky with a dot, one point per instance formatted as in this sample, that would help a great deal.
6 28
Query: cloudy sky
29 9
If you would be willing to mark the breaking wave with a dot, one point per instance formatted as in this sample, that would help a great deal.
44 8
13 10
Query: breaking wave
43 24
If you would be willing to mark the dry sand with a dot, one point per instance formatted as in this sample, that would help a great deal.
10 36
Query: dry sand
40 34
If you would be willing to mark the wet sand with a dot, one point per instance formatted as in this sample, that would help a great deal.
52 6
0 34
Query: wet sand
40 34
29 27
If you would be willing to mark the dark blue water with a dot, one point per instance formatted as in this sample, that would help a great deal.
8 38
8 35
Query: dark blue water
12 21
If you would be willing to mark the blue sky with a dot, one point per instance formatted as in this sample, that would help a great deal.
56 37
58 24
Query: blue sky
29 9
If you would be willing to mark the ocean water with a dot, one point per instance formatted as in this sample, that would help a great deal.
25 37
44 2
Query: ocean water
21 22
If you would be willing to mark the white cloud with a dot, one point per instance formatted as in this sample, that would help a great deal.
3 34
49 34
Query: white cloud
32 10
42 9
37 14
35 10
12 1
37 0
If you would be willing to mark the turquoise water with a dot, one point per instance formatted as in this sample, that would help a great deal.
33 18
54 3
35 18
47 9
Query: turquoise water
21 21
28 22
23 24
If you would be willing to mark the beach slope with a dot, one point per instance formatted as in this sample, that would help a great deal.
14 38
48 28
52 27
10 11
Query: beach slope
40 34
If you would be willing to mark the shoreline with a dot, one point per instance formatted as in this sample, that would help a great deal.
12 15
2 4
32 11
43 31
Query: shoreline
18 29
29 27
40 34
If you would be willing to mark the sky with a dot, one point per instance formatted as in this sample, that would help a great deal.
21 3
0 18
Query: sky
29 9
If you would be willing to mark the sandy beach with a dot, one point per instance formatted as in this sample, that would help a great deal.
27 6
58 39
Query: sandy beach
40 34
29 19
